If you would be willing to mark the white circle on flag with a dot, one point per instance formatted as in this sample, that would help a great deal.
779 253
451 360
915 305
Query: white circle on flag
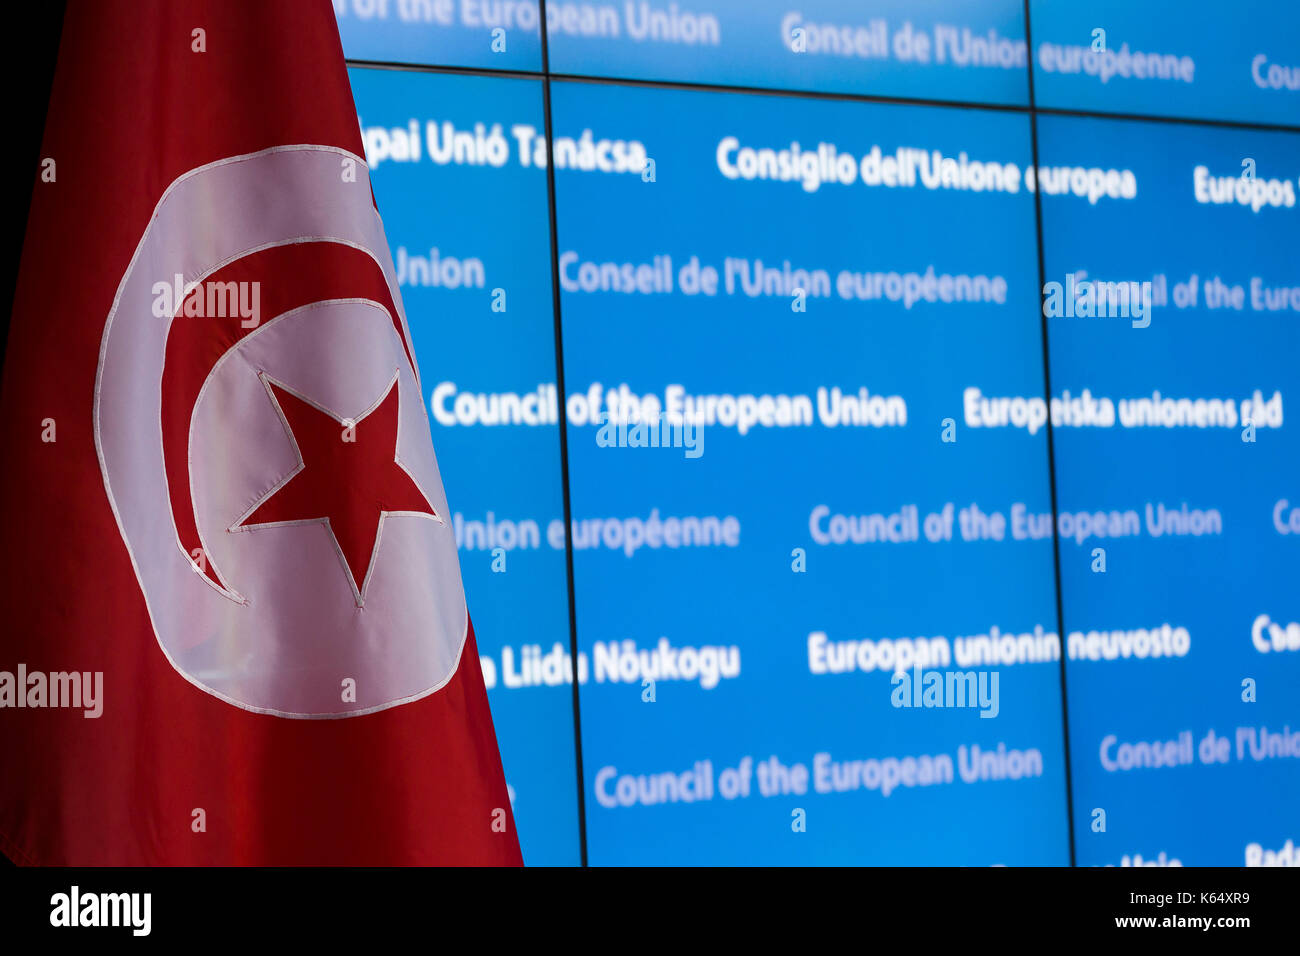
286 635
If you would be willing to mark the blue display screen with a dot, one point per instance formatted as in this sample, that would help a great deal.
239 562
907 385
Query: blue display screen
929 506
967 50
1175 474
488 34
1192 58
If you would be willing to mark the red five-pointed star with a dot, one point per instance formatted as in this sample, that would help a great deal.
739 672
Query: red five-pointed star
349 478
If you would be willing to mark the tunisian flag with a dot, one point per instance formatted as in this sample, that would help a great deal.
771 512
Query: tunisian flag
220 491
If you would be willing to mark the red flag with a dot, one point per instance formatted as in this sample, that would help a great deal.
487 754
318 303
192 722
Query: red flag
237 631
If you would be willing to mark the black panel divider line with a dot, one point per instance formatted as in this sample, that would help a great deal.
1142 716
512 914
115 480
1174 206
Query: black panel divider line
404 67
1051 449
561 401
1177 120
822 94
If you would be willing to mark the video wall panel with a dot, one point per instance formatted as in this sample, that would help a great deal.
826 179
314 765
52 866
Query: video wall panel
484 34
808 426
1174 346
468 228
965 50
813 359
1191 58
